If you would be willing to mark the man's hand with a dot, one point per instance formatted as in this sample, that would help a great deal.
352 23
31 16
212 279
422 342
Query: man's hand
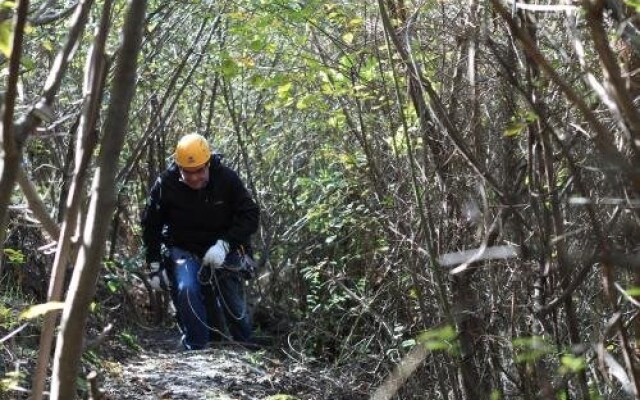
216 254
158 277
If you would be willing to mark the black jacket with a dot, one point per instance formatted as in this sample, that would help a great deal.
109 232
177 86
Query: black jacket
194 220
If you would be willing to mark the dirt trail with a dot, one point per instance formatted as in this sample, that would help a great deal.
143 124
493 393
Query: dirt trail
164 371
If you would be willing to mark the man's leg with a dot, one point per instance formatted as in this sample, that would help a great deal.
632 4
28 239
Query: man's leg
234 304
188 300
215 316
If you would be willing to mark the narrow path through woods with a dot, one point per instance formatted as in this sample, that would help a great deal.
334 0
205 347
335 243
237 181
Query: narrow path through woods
162 370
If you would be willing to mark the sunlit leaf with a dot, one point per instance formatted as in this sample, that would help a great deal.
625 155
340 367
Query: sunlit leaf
6 36
633 291
439 339
281 397
112 286
40 309
633 3
531 348
11 381
305 101
229 67
7 4
15 256
571 364
515 129
355 22
284 91
247 62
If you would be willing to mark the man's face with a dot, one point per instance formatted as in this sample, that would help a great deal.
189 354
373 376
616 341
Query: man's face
196 178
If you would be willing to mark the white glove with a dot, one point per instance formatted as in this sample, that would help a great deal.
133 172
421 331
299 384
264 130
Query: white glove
216 254
158 278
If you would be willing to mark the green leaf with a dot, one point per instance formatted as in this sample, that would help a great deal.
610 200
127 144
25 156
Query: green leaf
634 3
11 381
370 69
530 349
257 43
113 286
348 37
229 67
571 364
439 338
7 4
40 309
633 291
305 102
15 256
355 22
515 129
338 120
6 36
284 91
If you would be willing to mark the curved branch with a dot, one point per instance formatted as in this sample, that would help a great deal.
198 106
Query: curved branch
37 205
47 18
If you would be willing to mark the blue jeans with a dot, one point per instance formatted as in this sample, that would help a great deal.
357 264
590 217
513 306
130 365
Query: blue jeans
192 298
228 289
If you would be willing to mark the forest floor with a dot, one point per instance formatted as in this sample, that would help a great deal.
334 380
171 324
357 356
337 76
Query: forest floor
163 370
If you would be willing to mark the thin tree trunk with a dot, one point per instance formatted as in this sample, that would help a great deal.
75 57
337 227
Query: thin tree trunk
12 148
95 74
101 207
476 122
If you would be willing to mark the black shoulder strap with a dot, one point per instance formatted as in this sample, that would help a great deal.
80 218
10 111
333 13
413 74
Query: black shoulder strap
216 160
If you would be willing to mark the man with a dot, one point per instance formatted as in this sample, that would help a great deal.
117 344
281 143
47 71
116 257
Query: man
199 215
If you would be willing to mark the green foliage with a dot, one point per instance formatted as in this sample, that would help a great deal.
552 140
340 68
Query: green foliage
113 280
519 123
129 339
531 349
633 291
91 357
444 338
10 300
570 363
633 3
7 317
593 392
12 380
6 37
15 256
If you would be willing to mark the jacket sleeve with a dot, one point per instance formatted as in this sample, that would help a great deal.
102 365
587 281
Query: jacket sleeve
246 213
152 223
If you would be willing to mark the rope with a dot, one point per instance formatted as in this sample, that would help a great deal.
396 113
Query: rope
213 278
206 325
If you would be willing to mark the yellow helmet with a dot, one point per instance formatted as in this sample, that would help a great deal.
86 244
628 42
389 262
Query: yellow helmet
192 151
